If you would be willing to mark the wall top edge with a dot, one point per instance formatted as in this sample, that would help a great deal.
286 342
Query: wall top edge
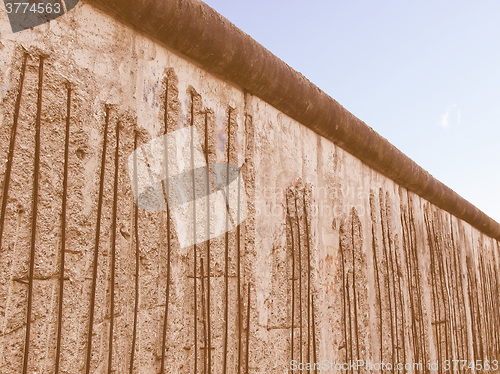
199 32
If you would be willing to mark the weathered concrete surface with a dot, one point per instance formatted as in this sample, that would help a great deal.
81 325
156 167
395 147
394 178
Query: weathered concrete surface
384 274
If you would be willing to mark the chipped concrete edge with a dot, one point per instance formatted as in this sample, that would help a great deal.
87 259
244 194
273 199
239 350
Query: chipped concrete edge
200 33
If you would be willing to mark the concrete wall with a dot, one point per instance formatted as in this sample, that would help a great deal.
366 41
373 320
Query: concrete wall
367 269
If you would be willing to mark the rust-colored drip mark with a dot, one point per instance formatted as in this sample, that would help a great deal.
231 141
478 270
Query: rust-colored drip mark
354 294
344 298
393 275
455 338
165 187
36 179
409 276
308 282
435 298
247 350
496 305
113 250
293 274
459 323
209 341
226 254
486 308
350 322
440 262
300 275
96 244
401 305
315 359
137 260
63 230
204 318
478 316
377 290
475 349
195 270
238 255
414 260
12 144
388 282
496 296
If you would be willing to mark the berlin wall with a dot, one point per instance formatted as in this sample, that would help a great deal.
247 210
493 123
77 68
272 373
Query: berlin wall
175 199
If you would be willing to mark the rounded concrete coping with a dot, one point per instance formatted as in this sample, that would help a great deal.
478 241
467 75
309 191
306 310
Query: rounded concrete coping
199 32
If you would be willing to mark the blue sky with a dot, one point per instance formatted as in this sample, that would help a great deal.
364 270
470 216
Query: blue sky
424 74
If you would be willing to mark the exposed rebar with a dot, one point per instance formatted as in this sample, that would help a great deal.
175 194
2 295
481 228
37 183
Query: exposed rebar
36 181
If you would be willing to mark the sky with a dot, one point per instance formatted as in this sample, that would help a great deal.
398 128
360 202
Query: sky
423 74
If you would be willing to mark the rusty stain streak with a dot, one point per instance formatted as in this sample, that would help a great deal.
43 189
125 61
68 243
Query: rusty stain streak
226 254
478 315
416 262
435 296
402 309
456 305
475 349
36 178
300 275
238 256
165 189
453 316
354 294
63 230
113 250
441 288
247 350
308 281
96 243
391 270
344 298
12 144
485 307
409 276
137 260
496 291
204 319
314 333
377 278
388 284
209 341
350 321
195 270
293 273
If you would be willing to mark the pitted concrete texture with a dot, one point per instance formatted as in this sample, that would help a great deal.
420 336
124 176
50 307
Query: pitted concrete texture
333 263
